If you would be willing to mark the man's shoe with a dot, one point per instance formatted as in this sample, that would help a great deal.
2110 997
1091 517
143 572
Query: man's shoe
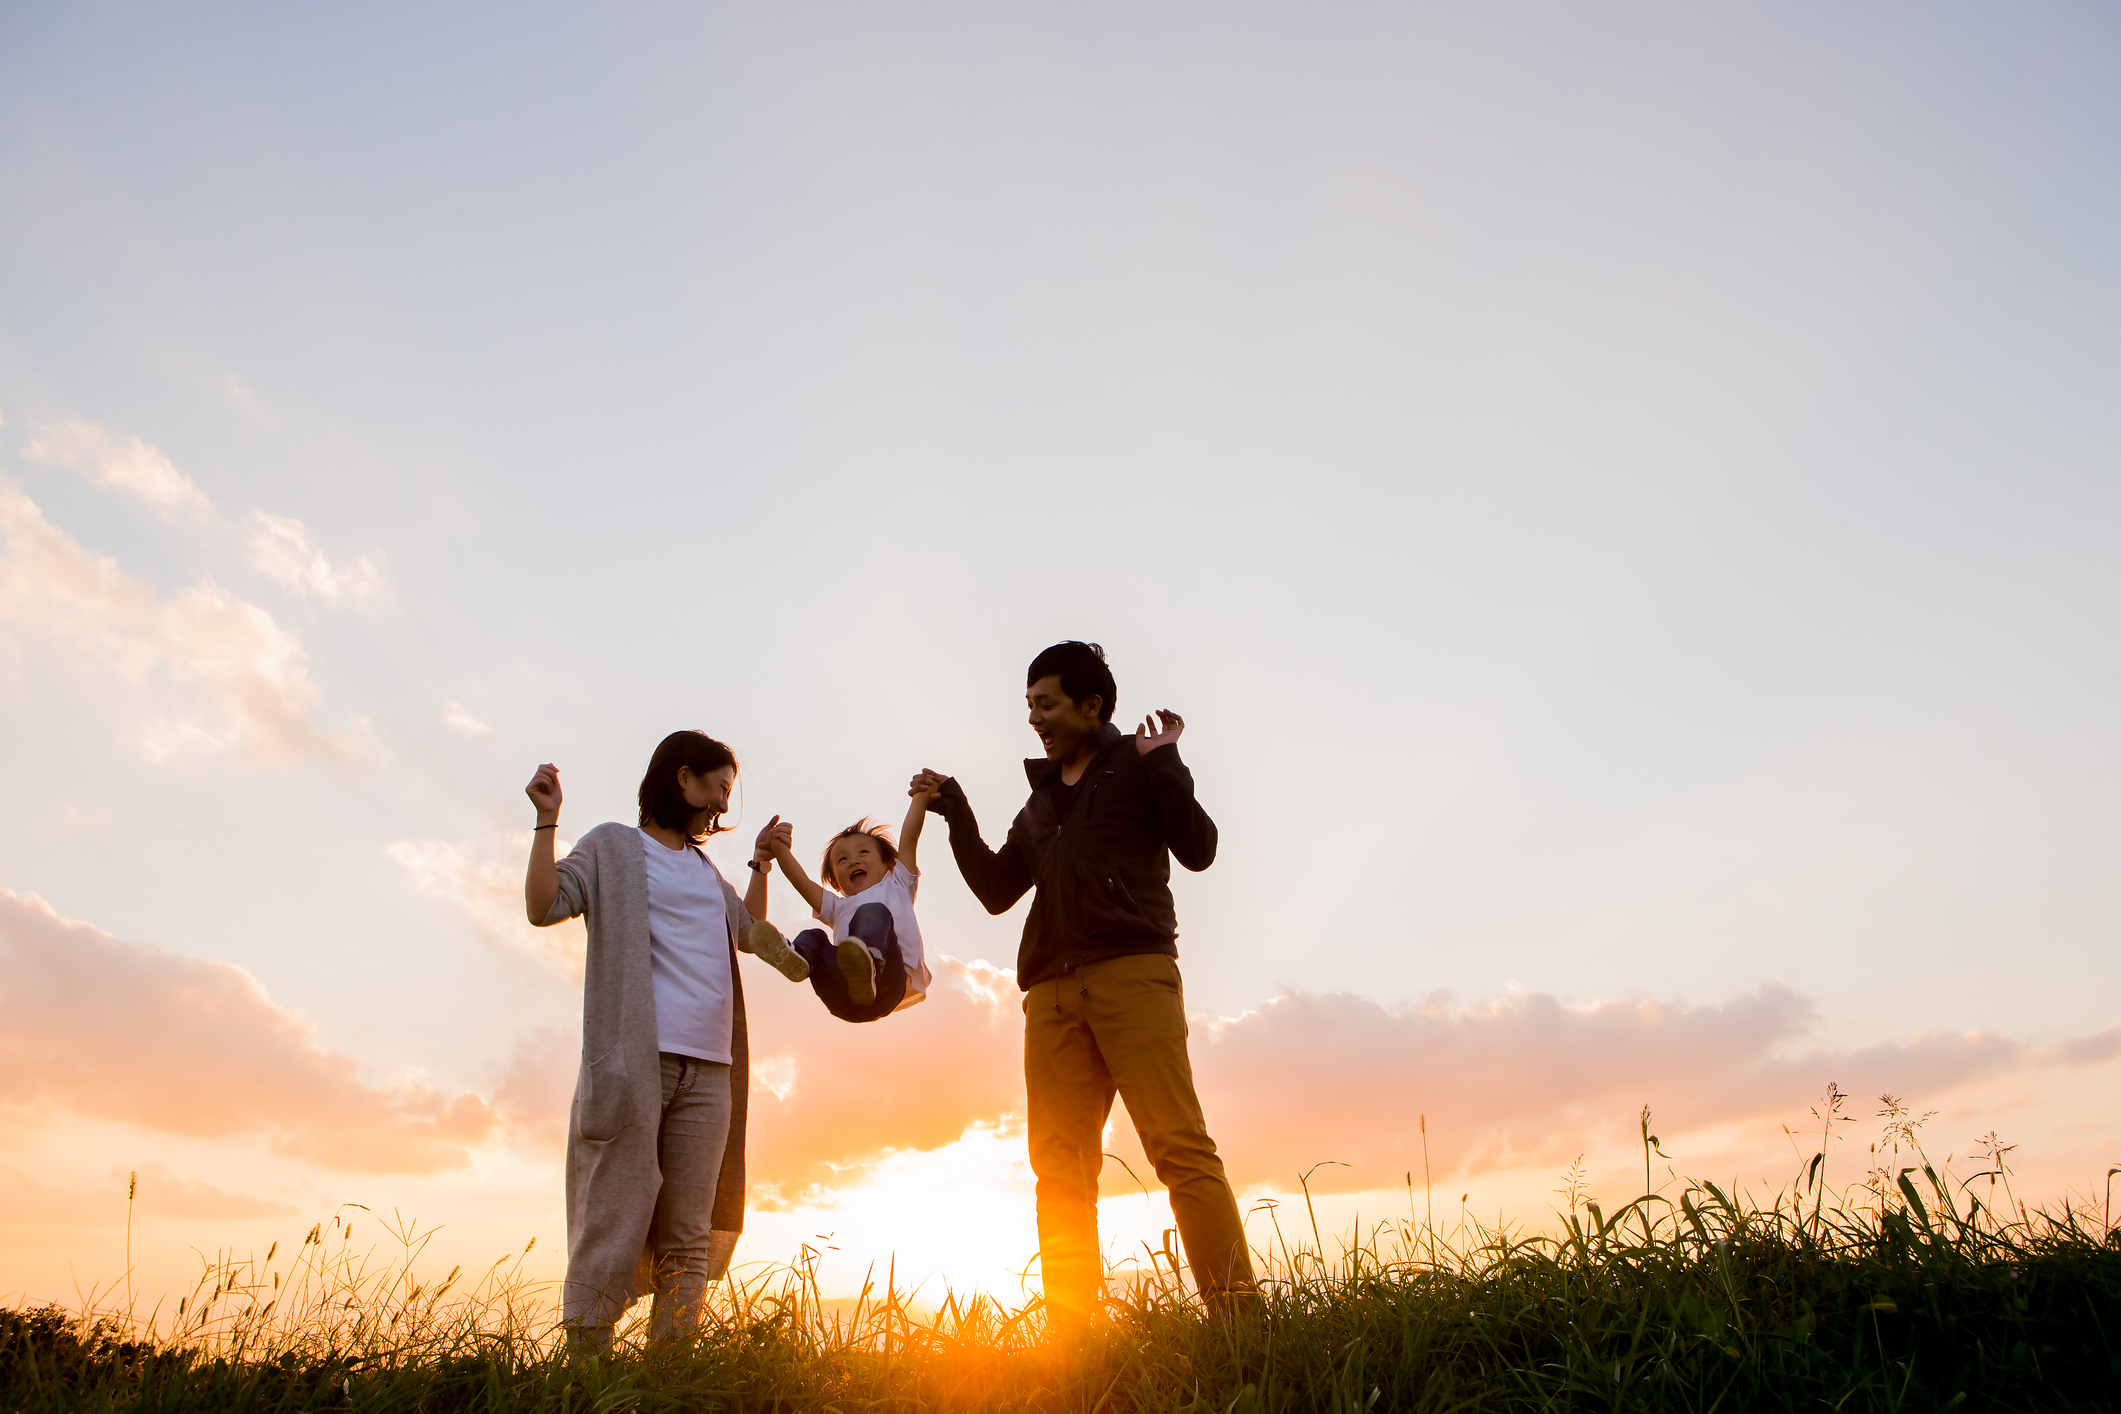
859 968
763 940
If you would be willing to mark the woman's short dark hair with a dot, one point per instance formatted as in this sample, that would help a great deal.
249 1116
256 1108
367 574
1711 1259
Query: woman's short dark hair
662 802
1082 671
875 829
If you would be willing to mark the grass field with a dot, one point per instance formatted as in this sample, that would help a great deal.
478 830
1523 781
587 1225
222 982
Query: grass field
1913 1290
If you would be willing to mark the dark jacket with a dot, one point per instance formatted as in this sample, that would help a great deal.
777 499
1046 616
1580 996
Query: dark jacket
1103 874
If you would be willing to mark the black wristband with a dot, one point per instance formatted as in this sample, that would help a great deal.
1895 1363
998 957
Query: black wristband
553 826
753 864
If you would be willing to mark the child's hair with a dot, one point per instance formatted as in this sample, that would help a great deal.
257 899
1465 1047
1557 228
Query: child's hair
875 829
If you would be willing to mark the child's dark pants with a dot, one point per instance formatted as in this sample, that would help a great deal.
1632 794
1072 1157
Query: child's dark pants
873 925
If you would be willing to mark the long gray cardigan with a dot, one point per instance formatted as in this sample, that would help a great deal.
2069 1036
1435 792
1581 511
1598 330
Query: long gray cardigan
613 1176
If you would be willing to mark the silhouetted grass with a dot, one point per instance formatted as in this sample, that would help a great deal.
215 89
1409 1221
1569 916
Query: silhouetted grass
1909 1292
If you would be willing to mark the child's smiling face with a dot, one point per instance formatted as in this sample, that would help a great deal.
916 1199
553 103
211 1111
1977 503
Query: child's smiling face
857 864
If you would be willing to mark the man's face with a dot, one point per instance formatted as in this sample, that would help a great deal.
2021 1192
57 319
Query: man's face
1062 723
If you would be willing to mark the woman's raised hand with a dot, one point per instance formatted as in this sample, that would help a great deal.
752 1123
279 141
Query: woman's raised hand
762 847
544 790
778 837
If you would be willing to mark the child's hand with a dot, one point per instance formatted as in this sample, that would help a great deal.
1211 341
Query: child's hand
762 847
1163 729
780 838
927 787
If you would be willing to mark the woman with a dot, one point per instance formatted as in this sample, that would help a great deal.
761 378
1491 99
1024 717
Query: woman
655 1142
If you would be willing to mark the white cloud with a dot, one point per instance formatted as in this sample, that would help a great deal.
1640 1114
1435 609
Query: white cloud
237 683
456 715
488 891
131 465
777 1074
280 547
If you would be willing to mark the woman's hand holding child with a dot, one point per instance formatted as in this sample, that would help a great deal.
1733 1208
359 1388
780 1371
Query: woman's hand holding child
762 939
762 850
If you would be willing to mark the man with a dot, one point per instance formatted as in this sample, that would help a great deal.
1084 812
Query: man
1103 1006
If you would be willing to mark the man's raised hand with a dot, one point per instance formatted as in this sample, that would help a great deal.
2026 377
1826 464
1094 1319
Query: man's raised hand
544 789
927 785
1163 729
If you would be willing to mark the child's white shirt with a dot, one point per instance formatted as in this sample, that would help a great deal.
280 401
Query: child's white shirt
895 891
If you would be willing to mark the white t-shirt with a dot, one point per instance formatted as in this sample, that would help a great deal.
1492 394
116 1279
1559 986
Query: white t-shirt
688 953
895 891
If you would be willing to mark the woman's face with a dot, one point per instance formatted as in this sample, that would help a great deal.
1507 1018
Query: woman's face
707 794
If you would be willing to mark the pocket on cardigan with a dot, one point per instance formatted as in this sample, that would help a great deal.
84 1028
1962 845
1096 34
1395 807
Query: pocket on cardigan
603 1095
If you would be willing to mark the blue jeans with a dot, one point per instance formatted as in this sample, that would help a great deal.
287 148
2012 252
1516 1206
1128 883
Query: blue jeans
872 924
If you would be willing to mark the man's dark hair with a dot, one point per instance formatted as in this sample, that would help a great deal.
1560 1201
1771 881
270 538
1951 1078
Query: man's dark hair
1082 671
662 802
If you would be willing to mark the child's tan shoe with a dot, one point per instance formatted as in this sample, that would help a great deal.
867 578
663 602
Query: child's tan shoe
764 941
859 968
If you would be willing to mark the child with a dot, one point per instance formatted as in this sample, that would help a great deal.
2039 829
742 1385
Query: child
871 963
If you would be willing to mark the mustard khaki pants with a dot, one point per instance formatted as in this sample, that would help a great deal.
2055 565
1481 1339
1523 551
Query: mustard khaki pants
1119 1027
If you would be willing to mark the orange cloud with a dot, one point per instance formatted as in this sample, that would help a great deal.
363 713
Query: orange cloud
1527 1082
111 1030
1307 1077
26 1203
1313 1077
537 1087
237 682
162 1190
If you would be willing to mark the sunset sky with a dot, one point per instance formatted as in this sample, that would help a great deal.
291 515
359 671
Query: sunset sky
1625 497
